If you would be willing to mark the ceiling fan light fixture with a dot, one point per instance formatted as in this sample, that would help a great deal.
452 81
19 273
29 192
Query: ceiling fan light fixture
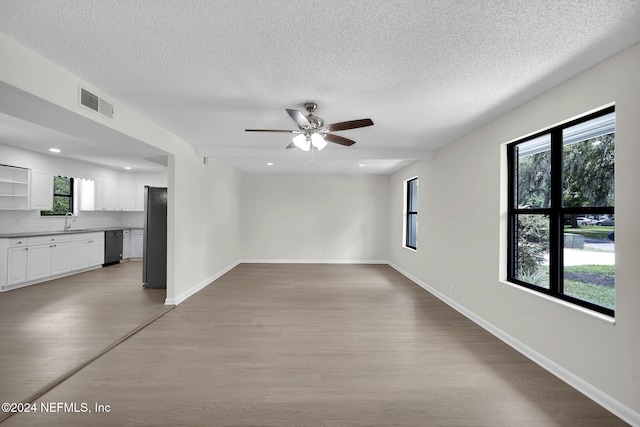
318 141
302 142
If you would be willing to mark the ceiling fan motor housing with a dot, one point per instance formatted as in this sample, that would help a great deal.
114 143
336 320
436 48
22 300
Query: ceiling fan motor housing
316 122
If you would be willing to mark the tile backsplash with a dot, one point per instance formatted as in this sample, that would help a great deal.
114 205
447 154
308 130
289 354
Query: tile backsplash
31 221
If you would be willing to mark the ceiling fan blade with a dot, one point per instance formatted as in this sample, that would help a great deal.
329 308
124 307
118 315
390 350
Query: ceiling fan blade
350 125
298 117
271 130
292 145
338 139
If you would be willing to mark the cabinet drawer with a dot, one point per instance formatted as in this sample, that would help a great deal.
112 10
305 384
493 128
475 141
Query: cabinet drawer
99 235
15 243
39 240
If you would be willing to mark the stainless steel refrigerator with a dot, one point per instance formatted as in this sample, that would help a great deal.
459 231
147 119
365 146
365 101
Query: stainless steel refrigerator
154 256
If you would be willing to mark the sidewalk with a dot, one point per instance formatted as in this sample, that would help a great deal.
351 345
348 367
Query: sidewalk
582 257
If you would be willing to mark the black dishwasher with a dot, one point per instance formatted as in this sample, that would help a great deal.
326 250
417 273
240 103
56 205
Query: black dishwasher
112 247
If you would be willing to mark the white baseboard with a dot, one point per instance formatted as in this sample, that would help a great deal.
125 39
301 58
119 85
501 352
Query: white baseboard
183 296
313 261
614 406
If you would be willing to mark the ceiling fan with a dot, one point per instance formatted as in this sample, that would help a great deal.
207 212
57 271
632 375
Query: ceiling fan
313 133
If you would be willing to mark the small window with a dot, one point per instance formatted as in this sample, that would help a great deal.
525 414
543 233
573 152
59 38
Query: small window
411 226
561 212
62 196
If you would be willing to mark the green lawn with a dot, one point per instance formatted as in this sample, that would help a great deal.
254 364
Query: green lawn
601 295
590 231
589 290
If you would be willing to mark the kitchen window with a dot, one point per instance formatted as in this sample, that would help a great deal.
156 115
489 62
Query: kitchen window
62 196
411 225
561 212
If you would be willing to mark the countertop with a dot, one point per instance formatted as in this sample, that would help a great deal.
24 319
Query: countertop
53 233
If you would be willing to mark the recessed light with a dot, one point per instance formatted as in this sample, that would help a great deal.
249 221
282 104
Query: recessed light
128 168
54 150
270 164
361 165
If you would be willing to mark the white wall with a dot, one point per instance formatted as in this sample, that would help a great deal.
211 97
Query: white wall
461 238
304 217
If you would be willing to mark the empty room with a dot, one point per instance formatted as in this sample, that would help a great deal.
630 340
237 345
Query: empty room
406 213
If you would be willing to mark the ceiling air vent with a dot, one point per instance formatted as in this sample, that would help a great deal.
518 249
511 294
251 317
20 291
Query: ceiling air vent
95 103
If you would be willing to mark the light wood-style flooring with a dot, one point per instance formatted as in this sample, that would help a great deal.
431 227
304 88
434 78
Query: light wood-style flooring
313 345
51 328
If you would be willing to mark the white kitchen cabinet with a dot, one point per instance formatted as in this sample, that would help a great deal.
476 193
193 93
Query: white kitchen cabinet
106 196
41 191
48 256
98 194
79 254
140 197
60 258
26 261
14 188
87 250
127 197
17 263
87 193
136 237
126 250
111 196
96 251
39 262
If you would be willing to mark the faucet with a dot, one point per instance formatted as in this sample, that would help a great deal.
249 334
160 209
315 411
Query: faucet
67 226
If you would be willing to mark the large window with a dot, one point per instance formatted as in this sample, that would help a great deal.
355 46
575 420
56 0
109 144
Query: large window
561 212
62 196
411 226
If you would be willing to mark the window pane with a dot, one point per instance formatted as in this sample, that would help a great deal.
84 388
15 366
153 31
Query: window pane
589 260
588 164
412 229
60 205
413 195
62 186
532 250
534 173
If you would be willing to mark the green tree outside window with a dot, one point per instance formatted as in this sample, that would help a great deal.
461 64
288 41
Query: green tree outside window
62 196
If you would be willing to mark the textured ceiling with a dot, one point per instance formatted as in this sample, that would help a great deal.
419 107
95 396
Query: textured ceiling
425 71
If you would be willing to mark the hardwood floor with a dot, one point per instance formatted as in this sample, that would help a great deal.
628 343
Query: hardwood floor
315 345
51 328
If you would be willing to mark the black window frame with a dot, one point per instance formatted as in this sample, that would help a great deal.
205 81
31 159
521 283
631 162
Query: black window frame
555 213
410 214
50 213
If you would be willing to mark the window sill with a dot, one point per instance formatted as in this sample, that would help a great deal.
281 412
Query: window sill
409 249
607 319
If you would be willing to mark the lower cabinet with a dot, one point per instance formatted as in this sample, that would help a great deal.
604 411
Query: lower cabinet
96 251
60 258
36 259
126 253
38 262
136 240
17 264
87 250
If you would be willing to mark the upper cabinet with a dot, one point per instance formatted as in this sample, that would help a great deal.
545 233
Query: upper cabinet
108 196
24 189
127 197
41 191
14 188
